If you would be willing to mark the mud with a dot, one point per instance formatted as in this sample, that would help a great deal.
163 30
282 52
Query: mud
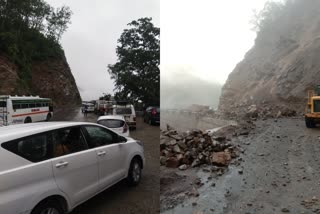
278 172
120 198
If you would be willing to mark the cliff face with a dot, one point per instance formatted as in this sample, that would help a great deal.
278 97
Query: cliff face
51 79
283 64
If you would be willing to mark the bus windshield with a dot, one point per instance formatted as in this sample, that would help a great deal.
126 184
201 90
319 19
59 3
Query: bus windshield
3 104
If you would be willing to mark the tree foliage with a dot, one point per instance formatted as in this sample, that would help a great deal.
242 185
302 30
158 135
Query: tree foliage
106 97
136 74
30 30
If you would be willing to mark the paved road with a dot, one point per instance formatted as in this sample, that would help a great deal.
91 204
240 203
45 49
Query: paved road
121 199
281 174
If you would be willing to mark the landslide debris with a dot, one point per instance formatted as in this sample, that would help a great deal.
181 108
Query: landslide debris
197 147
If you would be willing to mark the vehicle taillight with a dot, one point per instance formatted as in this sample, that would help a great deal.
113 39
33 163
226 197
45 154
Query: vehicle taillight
154 112
125 128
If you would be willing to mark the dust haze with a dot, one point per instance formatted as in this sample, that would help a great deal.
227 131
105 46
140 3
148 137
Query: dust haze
180 88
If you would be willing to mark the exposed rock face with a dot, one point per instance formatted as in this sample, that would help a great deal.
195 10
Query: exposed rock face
52 79
8 76
283 64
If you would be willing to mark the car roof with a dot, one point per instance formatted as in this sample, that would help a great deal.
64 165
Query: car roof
111 117
12 132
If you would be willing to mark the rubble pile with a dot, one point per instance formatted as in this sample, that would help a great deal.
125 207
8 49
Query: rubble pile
258 111
194 148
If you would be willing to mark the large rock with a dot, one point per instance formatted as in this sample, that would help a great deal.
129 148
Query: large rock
220 158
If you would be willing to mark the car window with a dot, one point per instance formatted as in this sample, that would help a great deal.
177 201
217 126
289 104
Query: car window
98 136
123 111
34 148
111 123
68 141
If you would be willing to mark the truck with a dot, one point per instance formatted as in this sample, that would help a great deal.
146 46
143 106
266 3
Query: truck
312 112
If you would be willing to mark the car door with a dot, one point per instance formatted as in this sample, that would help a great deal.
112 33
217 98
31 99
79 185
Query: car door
111 154
75 166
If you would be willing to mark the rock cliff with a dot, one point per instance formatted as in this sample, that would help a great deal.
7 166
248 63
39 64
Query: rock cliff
51 78
282 65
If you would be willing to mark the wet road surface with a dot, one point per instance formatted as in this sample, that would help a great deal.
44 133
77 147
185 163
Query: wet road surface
121 199
281 174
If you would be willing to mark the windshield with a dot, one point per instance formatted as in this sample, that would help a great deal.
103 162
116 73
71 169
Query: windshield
111 123
3 104
123 111
316 104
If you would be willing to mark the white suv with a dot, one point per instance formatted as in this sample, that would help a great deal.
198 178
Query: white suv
53 167
128 112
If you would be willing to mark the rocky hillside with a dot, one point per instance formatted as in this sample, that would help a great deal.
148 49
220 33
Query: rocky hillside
49 78
283 64
32 60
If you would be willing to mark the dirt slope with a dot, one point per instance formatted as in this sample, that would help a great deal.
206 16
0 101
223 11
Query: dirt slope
51 78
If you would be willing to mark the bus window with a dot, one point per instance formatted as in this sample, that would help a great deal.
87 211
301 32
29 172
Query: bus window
16 106
38 104
3 104
24 105
32 105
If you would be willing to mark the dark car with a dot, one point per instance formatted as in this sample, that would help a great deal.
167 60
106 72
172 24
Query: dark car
152 115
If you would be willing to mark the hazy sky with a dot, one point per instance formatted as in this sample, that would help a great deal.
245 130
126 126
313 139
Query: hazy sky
206 37
91 40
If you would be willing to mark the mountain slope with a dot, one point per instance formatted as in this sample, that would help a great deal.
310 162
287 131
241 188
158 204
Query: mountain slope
283 64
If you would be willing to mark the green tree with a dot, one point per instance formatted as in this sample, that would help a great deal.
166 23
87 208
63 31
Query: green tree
136 74
105 97
30 30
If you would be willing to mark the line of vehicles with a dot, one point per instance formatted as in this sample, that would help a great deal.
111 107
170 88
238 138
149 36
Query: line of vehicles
52 167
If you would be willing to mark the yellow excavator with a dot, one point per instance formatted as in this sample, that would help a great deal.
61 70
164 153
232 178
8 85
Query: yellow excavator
312 114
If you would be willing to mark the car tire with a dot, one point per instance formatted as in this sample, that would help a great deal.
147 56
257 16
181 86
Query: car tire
135 173
28 120
48 206
150 122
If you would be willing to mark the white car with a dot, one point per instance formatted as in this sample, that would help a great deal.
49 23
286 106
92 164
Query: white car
128 112
52 167
116 123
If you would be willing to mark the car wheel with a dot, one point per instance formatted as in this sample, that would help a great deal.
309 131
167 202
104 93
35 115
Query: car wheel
48 207
135 172
28 120
150 122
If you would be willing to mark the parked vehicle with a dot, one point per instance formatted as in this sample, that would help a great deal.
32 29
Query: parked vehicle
53 167
24 109
152 115
126 110
103 107
116 123
90 107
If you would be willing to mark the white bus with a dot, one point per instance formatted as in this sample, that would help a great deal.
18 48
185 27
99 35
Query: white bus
25 109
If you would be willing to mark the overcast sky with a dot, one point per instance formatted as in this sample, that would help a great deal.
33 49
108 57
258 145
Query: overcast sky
91 40
205 37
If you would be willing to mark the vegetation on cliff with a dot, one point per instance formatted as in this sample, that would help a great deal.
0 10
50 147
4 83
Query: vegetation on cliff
30 31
